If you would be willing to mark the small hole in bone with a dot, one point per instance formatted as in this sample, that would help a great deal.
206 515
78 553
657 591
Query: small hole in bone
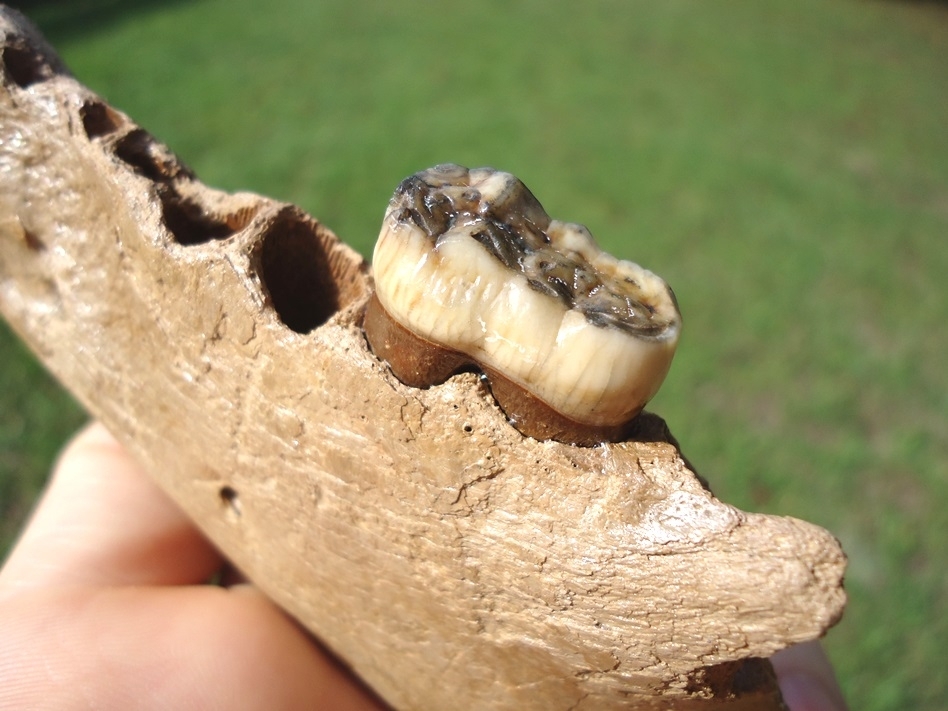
33 242
142 152
467 428
25 66
297 274
230 499
191 223
98 119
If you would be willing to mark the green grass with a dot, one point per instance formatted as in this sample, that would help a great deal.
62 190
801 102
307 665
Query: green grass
783 165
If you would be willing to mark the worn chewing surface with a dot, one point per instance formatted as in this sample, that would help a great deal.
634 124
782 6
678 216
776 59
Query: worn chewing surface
451 561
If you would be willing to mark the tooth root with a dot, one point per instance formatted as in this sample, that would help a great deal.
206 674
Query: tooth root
535 418
415 361
471 271
421 364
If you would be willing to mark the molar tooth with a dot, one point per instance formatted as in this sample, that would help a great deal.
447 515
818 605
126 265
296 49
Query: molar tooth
470 270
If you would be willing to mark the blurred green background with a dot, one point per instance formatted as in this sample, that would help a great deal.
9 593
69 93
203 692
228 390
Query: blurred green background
783 164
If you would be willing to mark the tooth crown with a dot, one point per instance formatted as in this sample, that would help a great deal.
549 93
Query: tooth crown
470 261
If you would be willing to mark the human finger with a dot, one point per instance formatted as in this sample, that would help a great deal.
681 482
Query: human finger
189 647
102 521
806 679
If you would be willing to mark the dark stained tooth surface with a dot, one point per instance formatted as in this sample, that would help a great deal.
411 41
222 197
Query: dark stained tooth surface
469 262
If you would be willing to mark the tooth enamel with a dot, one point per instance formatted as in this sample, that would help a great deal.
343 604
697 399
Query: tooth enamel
469 262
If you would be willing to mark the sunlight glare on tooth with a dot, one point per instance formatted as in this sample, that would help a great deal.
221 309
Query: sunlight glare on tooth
518 349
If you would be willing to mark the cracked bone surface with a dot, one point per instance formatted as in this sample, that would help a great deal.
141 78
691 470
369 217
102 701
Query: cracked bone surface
470 269
450 561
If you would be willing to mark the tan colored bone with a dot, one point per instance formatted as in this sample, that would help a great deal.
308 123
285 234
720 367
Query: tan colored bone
452 562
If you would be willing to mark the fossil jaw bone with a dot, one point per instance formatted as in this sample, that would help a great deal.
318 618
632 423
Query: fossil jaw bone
470 269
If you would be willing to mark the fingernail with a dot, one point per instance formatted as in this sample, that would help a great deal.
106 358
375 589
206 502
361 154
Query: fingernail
802 692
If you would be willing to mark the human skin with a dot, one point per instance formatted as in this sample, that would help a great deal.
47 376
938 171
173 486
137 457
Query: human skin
104 603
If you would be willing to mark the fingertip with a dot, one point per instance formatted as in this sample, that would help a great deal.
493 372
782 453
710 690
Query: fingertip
807 680
93 434
102 521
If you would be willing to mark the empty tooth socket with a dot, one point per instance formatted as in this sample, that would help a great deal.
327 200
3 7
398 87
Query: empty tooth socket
149 158
190 222
307 276
25 65
99 119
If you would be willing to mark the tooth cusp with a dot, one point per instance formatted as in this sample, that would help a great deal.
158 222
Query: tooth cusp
471 271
